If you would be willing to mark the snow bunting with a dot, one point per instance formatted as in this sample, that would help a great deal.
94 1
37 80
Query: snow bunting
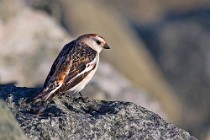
74 66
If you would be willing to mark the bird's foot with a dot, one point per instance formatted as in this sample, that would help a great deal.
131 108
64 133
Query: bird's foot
83 99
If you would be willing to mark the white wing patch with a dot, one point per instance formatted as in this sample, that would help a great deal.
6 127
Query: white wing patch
89 67
53 91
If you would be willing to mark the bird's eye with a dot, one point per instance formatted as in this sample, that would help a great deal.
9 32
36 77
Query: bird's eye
98 42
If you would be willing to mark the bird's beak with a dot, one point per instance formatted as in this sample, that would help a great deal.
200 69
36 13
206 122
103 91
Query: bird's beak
106 46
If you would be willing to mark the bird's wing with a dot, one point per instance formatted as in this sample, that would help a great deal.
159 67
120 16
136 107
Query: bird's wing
84 61
63 54
69 68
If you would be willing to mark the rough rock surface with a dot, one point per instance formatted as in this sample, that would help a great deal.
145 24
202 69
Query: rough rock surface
109 84
68 117
9 128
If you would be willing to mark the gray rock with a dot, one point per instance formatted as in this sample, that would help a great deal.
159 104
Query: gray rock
180 44
9 128
67 117
184 58
115 86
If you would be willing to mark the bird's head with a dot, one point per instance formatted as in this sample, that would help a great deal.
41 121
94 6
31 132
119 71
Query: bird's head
95 41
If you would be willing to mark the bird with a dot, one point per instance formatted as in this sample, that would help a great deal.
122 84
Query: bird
74 67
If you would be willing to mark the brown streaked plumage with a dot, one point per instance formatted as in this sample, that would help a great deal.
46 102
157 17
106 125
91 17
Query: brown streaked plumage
74 66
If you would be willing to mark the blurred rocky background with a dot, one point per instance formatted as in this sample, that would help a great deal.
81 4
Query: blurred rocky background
10 129
159 57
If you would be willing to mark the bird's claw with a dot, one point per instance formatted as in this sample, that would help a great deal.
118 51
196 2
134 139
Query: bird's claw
83 99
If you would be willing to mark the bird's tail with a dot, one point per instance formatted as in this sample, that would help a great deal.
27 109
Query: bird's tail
40 102
42 97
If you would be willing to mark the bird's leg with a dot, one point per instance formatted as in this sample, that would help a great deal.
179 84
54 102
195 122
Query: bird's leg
84 99
80 94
